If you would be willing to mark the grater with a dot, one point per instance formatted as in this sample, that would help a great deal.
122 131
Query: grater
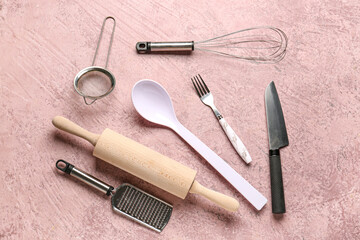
126 199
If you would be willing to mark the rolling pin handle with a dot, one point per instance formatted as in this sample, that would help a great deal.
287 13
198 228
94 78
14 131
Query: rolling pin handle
220 199
72 128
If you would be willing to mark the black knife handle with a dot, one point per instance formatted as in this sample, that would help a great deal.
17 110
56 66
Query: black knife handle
277 188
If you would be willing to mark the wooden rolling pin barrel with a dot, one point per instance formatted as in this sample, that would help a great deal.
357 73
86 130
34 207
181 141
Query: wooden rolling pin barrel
146 163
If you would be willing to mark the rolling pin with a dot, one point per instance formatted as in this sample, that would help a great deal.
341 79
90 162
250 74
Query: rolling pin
145 163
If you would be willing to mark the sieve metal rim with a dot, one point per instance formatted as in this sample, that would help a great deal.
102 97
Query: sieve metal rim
83 72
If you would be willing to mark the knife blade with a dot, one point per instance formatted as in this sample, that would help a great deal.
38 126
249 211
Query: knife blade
278 138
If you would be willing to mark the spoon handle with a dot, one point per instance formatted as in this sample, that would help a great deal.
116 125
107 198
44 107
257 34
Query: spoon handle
235 179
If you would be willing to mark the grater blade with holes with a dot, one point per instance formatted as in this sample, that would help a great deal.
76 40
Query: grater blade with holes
126 199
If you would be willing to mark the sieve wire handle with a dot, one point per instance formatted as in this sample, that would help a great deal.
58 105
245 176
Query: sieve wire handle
84 177
100 37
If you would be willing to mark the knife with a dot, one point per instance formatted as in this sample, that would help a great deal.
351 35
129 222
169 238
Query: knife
277 139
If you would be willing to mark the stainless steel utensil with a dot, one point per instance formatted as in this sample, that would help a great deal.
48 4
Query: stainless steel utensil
126 199
258 44
277 139
97 69
208 99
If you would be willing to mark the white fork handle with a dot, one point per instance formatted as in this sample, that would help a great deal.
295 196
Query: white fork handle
235 141
235 179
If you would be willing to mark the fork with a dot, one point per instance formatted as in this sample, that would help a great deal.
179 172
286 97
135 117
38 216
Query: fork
208 99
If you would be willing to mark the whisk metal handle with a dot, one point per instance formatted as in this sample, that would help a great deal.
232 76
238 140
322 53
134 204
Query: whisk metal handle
149 47
84 177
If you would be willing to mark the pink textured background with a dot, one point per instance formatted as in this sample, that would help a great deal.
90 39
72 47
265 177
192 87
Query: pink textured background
43 44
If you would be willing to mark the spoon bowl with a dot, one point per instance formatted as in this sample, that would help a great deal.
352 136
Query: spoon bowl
153 103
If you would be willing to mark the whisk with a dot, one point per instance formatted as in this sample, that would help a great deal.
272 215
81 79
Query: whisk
258 44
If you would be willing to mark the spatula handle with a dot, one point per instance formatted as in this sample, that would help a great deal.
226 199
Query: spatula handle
220 199
71 127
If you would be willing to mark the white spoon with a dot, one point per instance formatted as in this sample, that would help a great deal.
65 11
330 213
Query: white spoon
153 103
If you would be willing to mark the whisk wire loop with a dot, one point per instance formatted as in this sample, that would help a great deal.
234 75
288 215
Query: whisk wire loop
250 45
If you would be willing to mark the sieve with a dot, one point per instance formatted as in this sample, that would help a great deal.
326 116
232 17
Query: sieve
96 69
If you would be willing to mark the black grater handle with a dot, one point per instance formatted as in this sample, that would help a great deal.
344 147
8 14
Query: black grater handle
84 177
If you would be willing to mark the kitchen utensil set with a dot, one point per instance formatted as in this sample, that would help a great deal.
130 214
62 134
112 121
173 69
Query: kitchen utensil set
152 102
145 163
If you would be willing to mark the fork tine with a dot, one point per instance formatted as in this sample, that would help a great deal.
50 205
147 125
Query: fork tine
204 84
202 87
196 88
